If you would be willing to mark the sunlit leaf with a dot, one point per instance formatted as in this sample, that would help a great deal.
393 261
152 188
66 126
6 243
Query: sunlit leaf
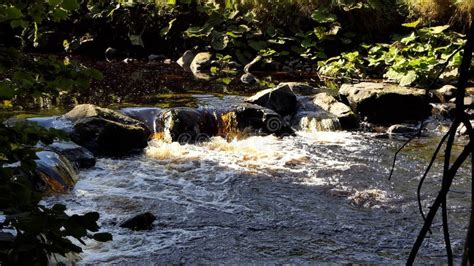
412 24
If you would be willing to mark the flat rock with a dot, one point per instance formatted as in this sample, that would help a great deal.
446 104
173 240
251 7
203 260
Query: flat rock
107 132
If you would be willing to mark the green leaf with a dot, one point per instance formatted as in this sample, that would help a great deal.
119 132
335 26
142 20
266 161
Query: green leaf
12 13
308 43
323 16
408 78
257 45
412 24
54 2
409 38
6 91
167 29
70 5
59 14
219 41
102 237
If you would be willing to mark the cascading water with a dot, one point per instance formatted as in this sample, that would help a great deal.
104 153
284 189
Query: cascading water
314 197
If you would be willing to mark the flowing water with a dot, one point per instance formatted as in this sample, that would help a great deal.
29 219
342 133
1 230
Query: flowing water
313 197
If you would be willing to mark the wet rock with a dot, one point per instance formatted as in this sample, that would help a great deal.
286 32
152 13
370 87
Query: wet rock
446 93
187 125
402 129
89 110
252 119
280 99
78 155
56 122
385 103
147 115
56 174
185 60
248 78
301 88
443 109
347 118
201 64
462 130
139 222
156 57
107 132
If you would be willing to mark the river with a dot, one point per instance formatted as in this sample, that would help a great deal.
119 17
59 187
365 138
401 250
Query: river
316 197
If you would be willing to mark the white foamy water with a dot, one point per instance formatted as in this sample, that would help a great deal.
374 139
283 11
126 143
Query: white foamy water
315 197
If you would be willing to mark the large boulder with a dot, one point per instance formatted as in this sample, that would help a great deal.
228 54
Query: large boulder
201 65
280 99
78 155
347 118
56 174
187 125
106 132
386 104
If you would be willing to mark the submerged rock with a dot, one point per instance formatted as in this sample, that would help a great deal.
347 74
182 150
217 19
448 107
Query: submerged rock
402 129
385 103
78 155
107 132
139 222
347 118
56 174
187 125
280 99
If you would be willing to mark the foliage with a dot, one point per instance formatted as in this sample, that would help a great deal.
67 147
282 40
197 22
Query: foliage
416 58
30 233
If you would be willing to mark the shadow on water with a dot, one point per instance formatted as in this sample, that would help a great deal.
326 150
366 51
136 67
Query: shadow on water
322 197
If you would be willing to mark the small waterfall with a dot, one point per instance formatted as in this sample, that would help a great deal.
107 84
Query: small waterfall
316 121
57 174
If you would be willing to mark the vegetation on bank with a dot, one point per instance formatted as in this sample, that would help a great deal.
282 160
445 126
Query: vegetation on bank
31 233
407 42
